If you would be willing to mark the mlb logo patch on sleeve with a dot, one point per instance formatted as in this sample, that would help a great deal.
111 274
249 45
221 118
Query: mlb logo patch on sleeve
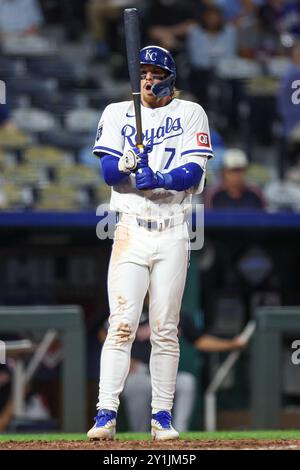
99 131
203 139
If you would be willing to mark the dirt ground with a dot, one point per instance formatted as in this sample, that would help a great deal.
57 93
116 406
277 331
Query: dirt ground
283 444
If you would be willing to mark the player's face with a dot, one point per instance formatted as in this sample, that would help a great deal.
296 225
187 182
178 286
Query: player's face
150 75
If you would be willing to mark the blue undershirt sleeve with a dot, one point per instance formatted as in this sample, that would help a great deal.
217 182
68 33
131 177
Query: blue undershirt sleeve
110 170
183 177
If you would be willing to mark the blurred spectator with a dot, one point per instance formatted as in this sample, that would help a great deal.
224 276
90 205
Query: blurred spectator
137 391
284 195
70 13
73 16
100 13
282 17
19 18
233 192
104 18
255 33
254 39
167 23
207 42
235 10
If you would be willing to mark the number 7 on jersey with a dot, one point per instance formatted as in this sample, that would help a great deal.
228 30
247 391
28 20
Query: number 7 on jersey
172 155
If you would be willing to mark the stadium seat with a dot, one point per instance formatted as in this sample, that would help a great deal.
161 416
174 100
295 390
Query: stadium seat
3 160
34 120
238 68
56 102
63 139
278 66
45 156
31 85
78 175
14 196
28 46
23 174
12 67
295 134
259 174
262 86
82 120
57 197
13 139
52 67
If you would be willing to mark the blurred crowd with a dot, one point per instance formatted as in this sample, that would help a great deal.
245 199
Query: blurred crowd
63 61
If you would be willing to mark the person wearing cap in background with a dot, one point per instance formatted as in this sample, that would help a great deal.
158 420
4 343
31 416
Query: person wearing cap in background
233 191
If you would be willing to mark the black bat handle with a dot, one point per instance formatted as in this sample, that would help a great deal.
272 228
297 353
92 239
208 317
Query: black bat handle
132 35
138 118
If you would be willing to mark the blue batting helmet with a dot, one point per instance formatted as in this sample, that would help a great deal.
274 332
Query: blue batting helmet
160 57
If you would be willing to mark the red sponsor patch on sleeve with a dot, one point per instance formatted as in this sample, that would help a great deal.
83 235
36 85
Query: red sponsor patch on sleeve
203 139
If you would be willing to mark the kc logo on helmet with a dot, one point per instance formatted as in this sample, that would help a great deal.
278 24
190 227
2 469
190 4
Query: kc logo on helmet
203 139
151 55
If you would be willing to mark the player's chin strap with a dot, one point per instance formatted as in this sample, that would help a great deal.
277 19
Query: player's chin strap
164 88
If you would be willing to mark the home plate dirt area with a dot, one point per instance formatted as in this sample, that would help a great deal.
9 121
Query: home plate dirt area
240 444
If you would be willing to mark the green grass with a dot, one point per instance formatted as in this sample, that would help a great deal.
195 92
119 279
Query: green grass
284 434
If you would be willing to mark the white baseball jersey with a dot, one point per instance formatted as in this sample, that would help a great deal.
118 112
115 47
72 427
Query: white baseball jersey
177 132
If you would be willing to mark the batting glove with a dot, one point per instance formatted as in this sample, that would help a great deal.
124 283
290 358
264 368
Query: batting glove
147 179
133 159
143 157
128 162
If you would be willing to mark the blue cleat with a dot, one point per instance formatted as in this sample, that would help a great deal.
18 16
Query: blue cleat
161 426
105 425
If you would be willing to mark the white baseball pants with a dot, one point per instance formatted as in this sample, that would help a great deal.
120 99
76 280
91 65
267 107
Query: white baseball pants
144 260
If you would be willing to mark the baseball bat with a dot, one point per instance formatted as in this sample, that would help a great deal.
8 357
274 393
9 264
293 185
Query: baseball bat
132 37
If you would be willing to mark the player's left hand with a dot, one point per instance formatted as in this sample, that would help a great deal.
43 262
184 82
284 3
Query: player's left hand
145 178
142 156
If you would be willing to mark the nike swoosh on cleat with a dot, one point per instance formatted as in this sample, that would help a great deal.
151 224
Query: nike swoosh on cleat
129 115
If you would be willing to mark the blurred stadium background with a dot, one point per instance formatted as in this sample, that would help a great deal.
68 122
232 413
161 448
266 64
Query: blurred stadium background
62 62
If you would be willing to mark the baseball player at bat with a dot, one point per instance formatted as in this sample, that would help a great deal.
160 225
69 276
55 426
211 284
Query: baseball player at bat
151 189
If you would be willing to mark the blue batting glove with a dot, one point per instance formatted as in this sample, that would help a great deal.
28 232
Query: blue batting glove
142 155
145 178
